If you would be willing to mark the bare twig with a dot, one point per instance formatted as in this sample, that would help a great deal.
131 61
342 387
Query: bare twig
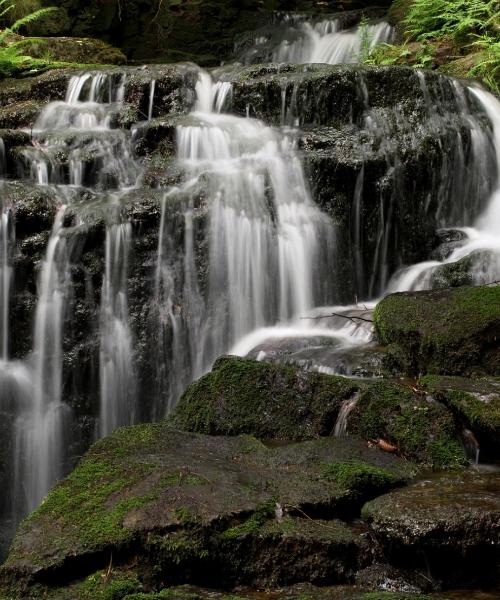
353 319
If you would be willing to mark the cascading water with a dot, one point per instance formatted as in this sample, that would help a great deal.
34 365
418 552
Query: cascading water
300 40
40 432
264 233
479 245
74 146
117 376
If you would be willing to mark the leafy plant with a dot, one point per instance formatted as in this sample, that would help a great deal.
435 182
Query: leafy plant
366 39
488 65
458 19
12 57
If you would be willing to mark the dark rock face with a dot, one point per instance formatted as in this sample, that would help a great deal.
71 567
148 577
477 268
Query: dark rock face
204 31
222 511
452 331
454 520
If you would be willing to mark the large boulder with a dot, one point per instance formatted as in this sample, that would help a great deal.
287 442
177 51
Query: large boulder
449 522
220 511
450 332
262 399
242 396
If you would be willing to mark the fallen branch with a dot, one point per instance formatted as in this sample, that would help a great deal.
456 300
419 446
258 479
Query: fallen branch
353 319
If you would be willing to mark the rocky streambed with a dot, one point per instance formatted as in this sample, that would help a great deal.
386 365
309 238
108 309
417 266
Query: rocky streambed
245 487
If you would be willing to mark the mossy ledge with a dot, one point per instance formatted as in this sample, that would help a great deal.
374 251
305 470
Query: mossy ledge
284 402
185 507
449 332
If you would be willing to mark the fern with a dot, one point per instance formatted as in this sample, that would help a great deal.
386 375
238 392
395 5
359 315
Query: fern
28 19
457 19
12 57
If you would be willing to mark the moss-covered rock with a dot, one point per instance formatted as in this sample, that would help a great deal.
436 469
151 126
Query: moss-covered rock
186 507
72 50
453 331
453 520
475 404
418 426
262 399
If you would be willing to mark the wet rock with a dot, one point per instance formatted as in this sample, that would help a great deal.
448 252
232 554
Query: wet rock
188 507
477 268
476 405
452 331
74 50
415 424
450 522
262 399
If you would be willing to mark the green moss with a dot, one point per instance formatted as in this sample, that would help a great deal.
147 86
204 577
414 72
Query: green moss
252 524
91 504
358 475
104 586
265 400
442 331
475 404
422 430
178 547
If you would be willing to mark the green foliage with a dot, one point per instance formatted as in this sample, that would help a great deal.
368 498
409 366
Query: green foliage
28 19
12 56
466 27
366 41
458 19
488 65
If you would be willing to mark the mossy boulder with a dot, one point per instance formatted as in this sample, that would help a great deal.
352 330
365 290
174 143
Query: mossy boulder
73 50
450 332
188 507
475 404
419 427
262 399
449 522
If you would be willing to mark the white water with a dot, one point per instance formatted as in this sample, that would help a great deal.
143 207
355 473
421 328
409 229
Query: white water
151 99
40 430
62 130
265 231
482 241
326 41
117 373
346 409
7 241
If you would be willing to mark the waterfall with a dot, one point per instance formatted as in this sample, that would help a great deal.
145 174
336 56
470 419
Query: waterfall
151 99
340 429
39 445
265 233
301 40
3 158
7 241
117 374
74 146
482 242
